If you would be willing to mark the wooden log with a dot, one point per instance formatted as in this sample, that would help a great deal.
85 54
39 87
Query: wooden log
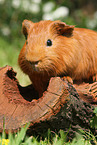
61 106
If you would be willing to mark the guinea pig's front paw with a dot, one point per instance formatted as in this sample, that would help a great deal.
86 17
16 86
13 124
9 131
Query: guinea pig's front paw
67 78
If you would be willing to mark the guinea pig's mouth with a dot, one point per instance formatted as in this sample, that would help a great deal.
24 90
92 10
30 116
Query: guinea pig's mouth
34 65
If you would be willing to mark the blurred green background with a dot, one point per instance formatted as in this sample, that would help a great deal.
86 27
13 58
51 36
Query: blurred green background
82 13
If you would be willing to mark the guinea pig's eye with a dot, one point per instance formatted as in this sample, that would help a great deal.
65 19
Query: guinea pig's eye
49 42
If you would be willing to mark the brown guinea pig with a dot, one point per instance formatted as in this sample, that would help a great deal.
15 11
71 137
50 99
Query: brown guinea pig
53 48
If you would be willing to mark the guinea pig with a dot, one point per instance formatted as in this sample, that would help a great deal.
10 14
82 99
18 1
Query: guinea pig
53 48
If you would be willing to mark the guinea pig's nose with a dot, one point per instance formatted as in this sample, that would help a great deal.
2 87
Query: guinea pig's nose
33 62
34 65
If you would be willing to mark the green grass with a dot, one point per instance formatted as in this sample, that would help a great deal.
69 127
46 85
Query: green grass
8 53
9 56
20 138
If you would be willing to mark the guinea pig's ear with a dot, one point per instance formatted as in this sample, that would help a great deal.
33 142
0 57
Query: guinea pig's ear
26 25
64 29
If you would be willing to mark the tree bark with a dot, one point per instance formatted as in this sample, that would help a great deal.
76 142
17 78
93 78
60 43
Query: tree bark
62 106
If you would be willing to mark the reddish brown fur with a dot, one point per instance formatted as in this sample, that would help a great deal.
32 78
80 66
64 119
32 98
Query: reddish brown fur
73 52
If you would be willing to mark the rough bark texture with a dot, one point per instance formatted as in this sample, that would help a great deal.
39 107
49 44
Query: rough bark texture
61 106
